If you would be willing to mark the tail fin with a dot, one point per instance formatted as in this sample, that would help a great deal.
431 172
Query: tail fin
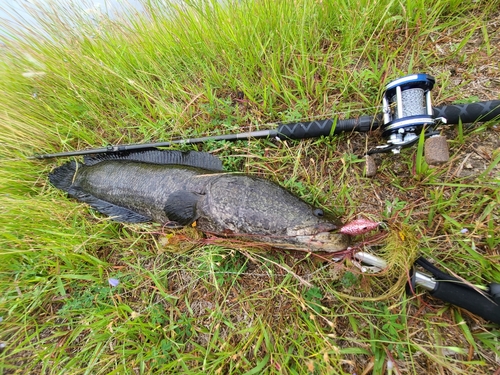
62 177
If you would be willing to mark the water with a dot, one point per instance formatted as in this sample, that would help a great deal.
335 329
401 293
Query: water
16 15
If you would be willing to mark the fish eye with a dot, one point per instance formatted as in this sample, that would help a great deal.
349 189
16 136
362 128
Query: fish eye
318 212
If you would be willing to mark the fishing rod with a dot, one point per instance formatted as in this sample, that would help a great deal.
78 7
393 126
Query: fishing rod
406 111
483 301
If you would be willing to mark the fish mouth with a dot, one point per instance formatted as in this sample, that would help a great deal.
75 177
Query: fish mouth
331 241
321 237
325 241
313 230
317 238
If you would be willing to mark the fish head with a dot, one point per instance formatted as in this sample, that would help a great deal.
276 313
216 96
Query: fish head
257 209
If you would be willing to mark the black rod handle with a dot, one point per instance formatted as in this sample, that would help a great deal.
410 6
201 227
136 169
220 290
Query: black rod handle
452 290
469 299
318 128
467 113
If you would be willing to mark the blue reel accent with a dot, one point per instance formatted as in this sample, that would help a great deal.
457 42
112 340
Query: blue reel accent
412 81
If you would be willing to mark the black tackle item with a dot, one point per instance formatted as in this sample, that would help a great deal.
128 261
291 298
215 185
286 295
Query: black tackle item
454 291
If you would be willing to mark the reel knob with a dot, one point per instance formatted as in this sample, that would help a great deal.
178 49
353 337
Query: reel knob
369 166
436 150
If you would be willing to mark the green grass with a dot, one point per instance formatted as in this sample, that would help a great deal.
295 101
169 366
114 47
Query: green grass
190 304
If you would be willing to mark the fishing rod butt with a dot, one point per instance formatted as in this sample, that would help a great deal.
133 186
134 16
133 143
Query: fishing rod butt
469 299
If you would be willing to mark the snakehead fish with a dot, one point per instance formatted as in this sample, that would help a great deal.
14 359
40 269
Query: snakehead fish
179 188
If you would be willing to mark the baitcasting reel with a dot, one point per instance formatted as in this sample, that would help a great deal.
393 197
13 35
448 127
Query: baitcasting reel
407 112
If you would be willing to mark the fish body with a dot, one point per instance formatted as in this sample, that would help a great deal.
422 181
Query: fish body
178 189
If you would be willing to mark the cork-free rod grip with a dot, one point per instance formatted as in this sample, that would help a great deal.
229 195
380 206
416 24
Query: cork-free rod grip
467 113
318 128
469 299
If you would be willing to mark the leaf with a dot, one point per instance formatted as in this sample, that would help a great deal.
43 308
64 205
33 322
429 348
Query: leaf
260 366
354 351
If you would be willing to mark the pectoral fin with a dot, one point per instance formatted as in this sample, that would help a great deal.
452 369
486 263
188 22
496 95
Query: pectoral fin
181 207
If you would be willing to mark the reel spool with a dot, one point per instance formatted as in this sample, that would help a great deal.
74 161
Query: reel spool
407 111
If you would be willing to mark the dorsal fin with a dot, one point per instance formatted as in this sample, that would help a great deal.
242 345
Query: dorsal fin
154 156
